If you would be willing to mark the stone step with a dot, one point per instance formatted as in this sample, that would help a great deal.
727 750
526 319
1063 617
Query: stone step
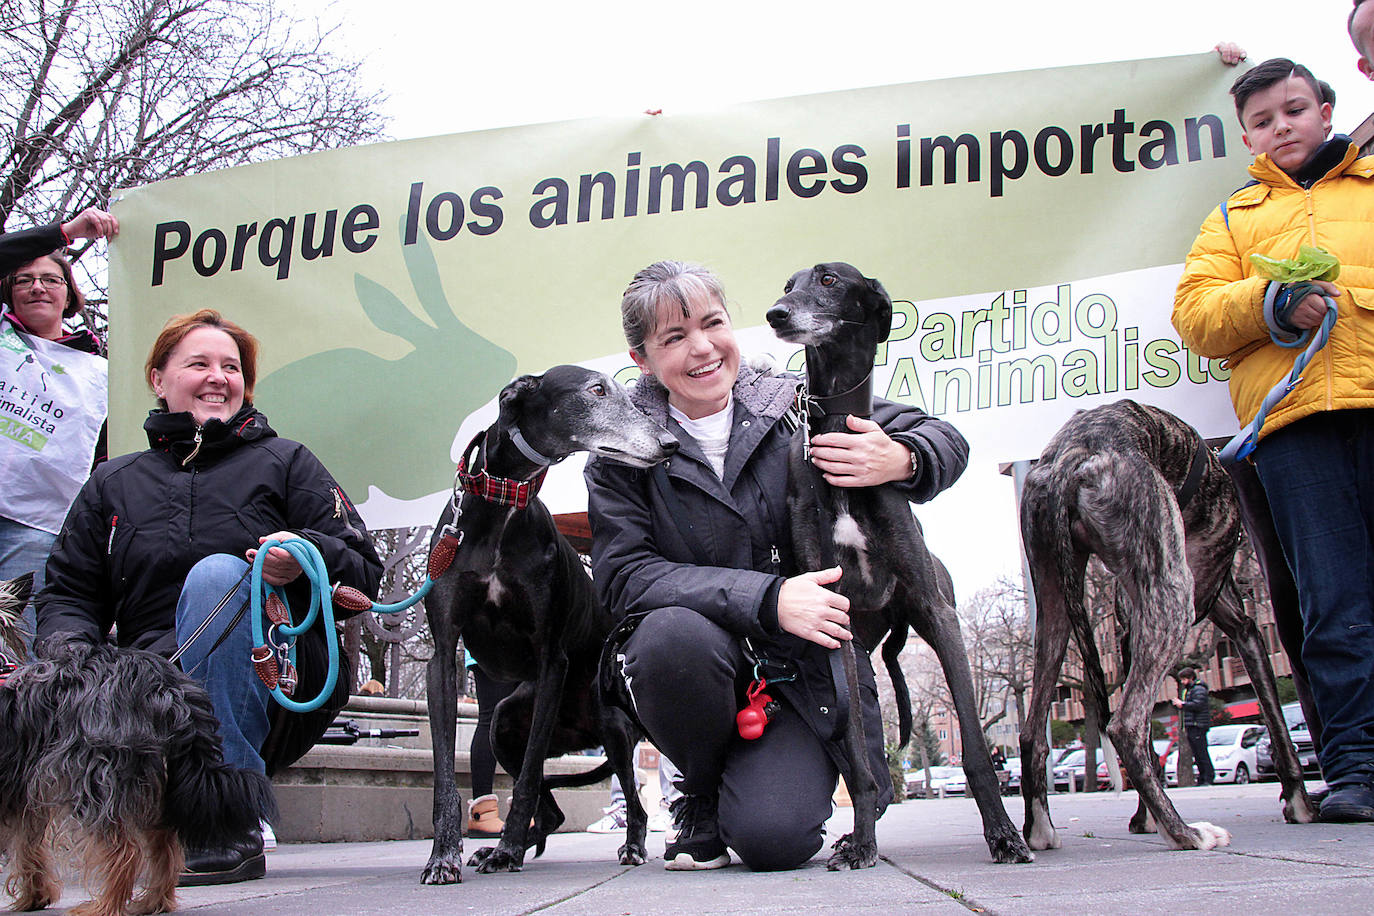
383 789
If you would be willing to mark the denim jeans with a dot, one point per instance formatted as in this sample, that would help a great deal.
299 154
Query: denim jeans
1319 476
241 701
24 549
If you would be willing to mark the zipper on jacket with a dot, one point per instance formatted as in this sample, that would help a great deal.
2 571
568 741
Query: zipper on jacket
195 451
1328 363
109 546
774 556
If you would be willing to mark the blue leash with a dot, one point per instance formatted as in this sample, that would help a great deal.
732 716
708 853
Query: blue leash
274 656
1244 442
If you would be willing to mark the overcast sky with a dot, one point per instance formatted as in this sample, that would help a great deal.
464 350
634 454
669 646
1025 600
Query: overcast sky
453 66
450 67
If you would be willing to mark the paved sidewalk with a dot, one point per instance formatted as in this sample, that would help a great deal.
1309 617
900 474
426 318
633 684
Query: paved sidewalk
933 861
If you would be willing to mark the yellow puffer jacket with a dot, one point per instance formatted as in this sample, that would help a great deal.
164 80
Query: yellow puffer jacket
1219 306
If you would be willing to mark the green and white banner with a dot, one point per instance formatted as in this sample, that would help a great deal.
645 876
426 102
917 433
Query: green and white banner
1032 224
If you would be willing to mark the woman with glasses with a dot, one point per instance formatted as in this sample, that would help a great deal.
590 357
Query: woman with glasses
52 391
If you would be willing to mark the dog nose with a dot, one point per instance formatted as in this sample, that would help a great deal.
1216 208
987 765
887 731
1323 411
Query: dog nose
777 316
667 442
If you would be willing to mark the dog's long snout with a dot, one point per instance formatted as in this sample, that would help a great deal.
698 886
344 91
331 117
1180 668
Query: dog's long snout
778 315
667 443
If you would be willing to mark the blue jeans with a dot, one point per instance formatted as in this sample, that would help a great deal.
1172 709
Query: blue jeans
240 699
24 549
1319 476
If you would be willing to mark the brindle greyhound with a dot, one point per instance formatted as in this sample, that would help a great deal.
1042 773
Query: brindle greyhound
1137 487
523 602
891 579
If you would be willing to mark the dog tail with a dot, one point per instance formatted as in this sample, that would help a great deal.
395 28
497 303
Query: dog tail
892 649
208 800
576 780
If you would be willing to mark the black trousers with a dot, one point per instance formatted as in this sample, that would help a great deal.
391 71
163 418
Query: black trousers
482 759
688 678
1197 740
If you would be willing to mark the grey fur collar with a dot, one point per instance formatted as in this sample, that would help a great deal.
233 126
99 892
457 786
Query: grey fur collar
761 395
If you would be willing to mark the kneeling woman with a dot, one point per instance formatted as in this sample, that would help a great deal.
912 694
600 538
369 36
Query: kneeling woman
699 550
155 539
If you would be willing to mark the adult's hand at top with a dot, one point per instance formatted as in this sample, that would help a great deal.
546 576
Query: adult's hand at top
808 609
865 457
91 224
279 567
1230 52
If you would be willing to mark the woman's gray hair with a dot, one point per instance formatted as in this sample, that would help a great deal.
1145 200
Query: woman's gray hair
663 282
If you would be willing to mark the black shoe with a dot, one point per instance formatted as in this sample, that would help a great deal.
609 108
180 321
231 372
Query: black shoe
1352 803
237 860
698 845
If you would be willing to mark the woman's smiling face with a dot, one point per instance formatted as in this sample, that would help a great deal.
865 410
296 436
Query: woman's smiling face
203 376
694 354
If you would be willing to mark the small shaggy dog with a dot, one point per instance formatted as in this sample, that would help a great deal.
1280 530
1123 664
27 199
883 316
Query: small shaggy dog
115 753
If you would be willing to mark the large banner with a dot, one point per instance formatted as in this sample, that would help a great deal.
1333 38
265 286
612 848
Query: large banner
1031 224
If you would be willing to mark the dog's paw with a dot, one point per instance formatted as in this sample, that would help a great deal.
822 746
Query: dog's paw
1039 830
1144 824
633 854
150 903
443 869
38 896
1009 849
1211 836
496 859
1298 809
852 854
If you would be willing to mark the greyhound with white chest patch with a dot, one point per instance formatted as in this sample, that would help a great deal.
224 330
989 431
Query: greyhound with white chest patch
890 577
524 604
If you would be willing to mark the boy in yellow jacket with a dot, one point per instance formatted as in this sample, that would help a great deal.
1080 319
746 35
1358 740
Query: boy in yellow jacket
1315 454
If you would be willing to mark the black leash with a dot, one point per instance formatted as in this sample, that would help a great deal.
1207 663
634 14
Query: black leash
210 618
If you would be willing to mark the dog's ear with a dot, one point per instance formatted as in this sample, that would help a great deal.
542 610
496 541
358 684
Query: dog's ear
881 304
515 393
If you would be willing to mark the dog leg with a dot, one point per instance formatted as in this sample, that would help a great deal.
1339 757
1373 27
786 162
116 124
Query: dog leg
445 864
1051 642
858 849
1160 604
115 860
164 863
33 880
509 854
1142 821
618 738
939 626
1240 628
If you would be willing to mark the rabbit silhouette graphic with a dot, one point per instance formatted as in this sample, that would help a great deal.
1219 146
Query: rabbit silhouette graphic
451 371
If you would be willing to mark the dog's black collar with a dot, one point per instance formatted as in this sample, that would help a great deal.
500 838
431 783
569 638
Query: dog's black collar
499 490
1188 489
857 400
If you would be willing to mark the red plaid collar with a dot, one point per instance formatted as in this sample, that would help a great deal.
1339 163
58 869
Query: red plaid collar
499 490
7 667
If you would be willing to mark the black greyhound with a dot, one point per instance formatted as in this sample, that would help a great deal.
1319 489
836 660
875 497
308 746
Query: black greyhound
892 580
521 598
1137 487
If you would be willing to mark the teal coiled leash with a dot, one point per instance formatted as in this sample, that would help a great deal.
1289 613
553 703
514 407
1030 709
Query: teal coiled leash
274 652
1244 442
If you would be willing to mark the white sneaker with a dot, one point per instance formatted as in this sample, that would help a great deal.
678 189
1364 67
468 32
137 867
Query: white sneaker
660 821
613 821
269 839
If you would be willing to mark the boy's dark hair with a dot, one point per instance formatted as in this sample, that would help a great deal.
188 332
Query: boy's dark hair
1272 71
